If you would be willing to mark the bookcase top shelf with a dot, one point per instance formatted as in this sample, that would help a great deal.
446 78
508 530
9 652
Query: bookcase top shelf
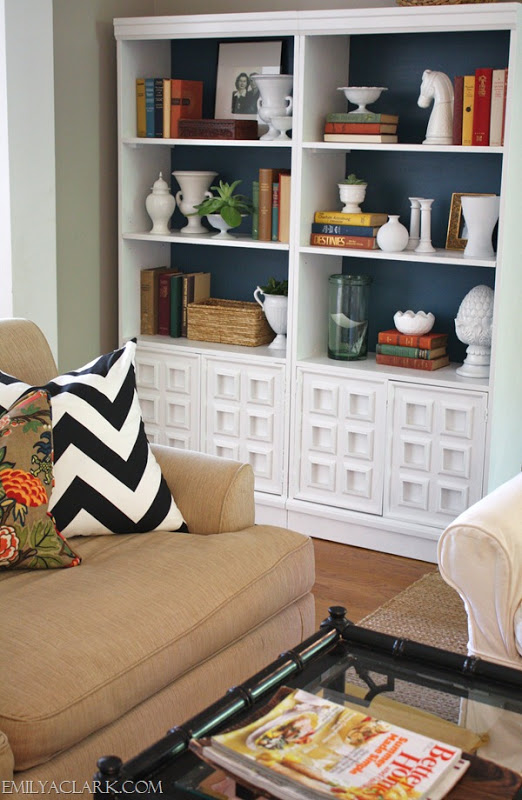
392 19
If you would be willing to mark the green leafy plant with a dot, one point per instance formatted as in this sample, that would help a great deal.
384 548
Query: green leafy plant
353 180
230 206
275 287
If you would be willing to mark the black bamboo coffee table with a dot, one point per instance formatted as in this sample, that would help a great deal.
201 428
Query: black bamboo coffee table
374 670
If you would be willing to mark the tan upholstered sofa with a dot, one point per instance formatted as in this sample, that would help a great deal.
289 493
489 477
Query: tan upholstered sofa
150 628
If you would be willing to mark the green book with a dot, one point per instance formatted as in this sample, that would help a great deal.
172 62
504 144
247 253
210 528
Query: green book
409 352
176 287
365 116
255 212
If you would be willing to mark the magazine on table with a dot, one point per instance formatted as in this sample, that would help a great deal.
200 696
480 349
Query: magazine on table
304 746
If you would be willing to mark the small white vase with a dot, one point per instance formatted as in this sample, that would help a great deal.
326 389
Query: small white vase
275 307
352 195
217 221
194 188
481 215
160 206
275 100
393 236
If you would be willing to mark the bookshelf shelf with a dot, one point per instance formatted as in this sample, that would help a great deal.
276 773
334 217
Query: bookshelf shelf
175 237
440 257
345 431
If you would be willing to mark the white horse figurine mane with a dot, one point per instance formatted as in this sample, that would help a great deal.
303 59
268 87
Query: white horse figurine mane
437 85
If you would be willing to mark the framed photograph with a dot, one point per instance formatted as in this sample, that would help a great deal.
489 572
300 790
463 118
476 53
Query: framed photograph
456 239
238 63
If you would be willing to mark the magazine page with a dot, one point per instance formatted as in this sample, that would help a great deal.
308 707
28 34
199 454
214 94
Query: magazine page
338 752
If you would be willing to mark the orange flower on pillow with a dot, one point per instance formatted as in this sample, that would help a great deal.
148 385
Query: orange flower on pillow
9 544
23 487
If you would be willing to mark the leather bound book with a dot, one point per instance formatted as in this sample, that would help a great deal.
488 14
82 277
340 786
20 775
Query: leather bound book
482 106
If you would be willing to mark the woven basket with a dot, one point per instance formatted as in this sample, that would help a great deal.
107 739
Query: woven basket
228 322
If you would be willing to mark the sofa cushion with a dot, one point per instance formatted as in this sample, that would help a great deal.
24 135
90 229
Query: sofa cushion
106 477
28 537
175 601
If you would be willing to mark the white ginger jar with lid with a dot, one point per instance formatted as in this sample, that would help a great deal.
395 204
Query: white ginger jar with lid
160 205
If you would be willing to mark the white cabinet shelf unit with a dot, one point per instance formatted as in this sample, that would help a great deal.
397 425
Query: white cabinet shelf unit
374 456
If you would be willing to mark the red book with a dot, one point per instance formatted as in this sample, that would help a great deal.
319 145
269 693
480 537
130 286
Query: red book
412 363
359 127
334 240
186 102
482 106
458 100
427 342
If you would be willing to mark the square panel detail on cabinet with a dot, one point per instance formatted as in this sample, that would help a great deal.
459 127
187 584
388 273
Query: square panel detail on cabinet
436 452
341 442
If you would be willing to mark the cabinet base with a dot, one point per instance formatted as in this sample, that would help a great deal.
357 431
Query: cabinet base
359 530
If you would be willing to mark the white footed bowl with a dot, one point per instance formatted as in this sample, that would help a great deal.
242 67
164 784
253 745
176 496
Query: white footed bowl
362 95
414 324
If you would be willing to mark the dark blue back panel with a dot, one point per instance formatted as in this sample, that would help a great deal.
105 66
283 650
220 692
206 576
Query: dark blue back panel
395 61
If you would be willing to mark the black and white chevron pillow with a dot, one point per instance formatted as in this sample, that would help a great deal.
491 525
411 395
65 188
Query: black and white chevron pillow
106 479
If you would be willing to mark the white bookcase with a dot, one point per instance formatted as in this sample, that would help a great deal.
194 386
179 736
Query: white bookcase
356 452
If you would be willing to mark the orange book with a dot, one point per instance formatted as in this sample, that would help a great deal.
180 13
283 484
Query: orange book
186 102
482 106
427 341
412 363
359 127
334 240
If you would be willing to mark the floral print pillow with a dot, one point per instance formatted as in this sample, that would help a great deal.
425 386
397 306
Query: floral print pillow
28 536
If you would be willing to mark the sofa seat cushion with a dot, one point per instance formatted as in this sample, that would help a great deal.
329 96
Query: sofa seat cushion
90 644
518 629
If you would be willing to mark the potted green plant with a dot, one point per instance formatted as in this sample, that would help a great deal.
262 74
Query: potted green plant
275 306
224 209
352 191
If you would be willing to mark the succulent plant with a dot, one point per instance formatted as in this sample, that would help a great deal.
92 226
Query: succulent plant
275 287
230 206
353 180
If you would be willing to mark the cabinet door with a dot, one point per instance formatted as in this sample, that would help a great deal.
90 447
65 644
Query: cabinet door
243 409
437 444
341 448
168 390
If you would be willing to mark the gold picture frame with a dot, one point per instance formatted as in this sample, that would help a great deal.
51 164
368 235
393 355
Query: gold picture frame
454 239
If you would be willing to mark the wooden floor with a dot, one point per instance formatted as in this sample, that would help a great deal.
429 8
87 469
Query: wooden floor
361 580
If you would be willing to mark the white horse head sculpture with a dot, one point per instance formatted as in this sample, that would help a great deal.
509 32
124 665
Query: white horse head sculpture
438 87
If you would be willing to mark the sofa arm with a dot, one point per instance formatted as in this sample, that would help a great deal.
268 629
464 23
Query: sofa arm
480 555
6 759
213 494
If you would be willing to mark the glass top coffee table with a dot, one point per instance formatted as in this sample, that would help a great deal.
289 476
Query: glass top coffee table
464 701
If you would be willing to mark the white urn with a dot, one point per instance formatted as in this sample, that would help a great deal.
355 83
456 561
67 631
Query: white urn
275 307
352 195
160 206
194 187
275 100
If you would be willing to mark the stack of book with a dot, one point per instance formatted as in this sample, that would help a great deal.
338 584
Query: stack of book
271 201
162 102
361 127
427 352
337 229
479 106
164 296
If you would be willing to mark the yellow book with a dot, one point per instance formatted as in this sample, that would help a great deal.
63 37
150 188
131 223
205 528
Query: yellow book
467 109
340 218
141 121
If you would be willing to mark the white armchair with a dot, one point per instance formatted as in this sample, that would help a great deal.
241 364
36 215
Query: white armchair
480 555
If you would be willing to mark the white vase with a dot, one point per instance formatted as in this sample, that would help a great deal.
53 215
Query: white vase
275 307
217 221
393 236
275 100
352 195
160 206
481 215
194 188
